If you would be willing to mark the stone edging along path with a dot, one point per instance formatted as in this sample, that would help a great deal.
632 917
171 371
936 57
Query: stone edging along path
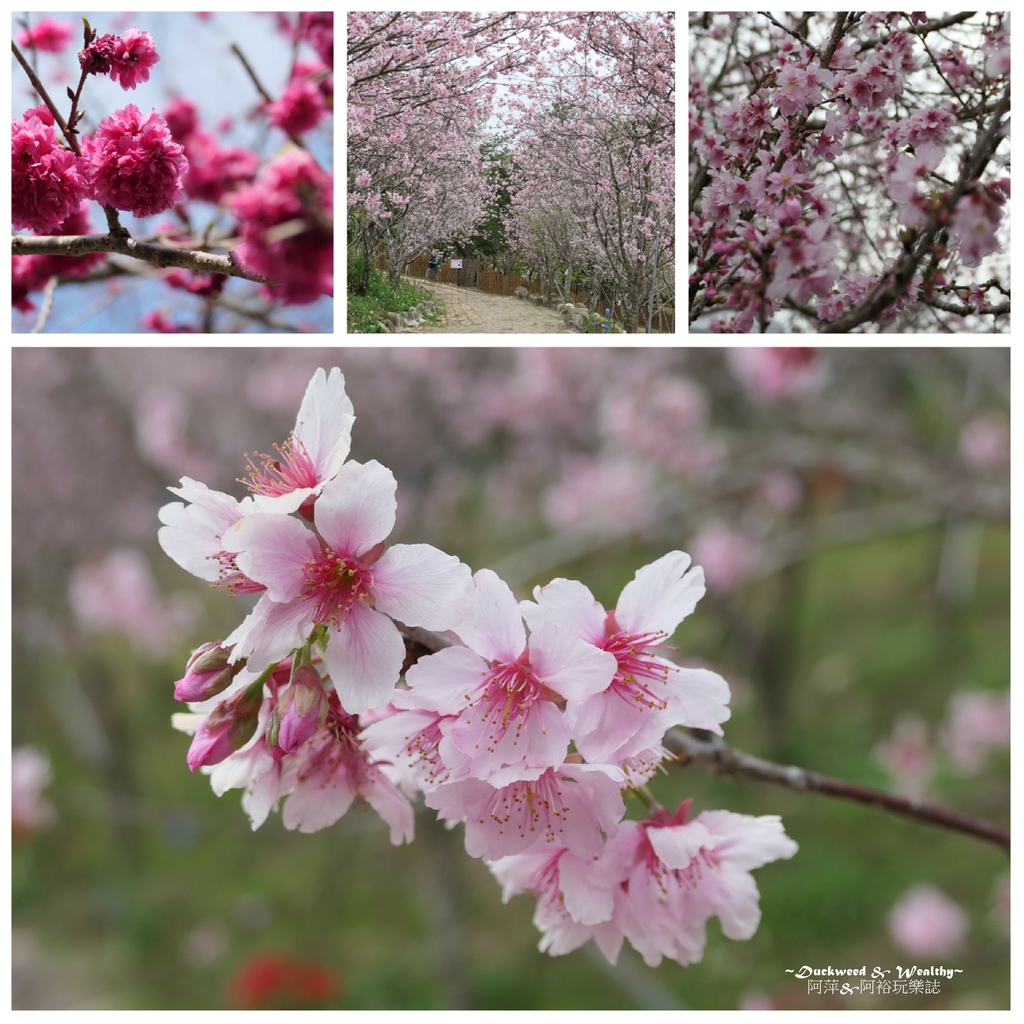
468 311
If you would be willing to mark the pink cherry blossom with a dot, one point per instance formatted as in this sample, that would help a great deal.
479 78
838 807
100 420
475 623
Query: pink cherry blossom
977 723
299 108
132 57
132 162
30 775
192 535
214 170
314 452
570 806
342 577
925 922
727 556
207 673
292 190
648 694
502 694
48 182
47 35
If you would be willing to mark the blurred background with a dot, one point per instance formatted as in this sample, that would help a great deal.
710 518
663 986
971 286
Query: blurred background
851 511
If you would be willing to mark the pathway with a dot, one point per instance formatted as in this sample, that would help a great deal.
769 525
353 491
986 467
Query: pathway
468 311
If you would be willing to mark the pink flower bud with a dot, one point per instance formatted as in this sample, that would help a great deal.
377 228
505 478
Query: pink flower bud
227 728
301 710
207 673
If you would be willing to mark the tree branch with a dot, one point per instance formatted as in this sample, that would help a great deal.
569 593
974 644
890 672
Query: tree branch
696 746
157 255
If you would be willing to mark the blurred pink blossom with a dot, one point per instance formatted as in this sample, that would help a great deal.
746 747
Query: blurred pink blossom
907 755
728 557
118 594
976 723
30 775
610 493
985 442
927 923
777 372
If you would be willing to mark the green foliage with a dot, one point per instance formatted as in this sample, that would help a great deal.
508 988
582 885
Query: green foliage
368 314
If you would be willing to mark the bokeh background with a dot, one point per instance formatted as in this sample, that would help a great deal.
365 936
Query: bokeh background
851 510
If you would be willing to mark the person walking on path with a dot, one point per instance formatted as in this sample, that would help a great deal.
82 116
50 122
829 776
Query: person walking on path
433 267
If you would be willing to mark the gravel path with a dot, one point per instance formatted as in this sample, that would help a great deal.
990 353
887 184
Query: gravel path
468 311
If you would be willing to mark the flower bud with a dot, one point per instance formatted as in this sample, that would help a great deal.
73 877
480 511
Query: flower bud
301 710
207 673
228 727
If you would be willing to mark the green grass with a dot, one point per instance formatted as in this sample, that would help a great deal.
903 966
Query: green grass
368 314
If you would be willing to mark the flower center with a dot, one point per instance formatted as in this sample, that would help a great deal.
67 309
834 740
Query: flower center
511 690
337 584
288 470
639 674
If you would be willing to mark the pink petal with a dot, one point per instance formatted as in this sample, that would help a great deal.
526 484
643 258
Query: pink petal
568 665
324 422
569 604
317 802
270 632
356 510
365 659
422 586
496 632
660 596
273 550
443 681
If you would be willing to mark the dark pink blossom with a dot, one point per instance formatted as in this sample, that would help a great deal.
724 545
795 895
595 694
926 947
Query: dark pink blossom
98 56
216 170
299 108
133 55
285 224
49 36
317 28
47 183
182 118
133 164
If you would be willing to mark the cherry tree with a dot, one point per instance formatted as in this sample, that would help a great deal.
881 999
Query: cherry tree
246 229
849 172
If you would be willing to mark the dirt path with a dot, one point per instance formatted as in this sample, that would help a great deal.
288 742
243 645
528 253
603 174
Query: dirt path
468 311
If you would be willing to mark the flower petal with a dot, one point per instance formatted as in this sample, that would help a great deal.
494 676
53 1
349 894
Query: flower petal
422 586
569 604
661 595
568 665
273 550
496 631
365 659
324 422
356 510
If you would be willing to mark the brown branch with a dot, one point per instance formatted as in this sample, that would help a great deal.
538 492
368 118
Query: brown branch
695 746
157 255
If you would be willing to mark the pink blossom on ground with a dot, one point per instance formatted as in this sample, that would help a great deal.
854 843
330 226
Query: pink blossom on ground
48 182
502 694
343 577
925 922
293 191
727 556
133 55
647 695
314 452
30 775
46 35
133 164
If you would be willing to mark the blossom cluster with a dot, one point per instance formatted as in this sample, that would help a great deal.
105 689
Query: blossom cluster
529 723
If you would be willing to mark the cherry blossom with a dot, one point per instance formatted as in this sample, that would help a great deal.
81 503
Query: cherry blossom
501 694
342 577
925 922
648 694
46 35
47 181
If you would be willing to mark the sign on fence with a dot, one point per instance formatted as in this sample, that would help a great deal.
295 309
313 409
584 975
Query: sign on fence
456 264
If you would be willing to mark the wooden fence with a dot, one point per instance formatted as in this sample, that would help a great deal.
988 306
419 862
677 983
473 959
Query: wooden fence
494 282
